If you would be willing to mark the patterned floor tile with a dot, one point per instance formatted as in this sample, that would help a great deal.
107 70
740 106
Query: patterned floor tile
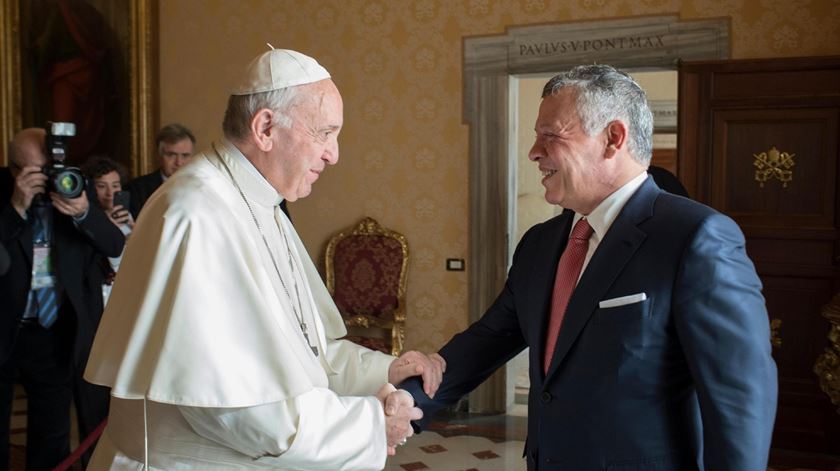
413 466
459 453
433 448
485 455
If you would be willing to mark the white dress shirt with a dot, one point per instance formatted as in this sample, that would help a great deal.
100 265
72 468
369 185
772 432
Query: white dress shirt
602 217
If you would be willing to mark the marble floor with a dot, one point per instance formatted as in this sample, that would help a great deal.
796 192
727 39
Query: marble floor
455 442
432 451
469 442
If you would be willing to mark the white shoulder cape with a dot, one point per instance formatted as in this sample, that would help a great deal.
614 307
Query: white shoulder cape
193 319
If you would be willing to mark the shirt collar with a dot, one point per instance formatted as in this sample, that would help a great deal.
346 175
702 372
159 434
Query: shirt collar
602 217
250 180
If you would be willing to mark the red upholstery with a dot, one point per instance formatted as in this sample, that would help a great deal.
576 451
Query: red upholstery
366 275
373 343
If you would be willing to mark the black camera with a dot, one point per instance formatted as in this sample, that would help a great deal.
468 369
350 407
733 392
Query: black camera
66 181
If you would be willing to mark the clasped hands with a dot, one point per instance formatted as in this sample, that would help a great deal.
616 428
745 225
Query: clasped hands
398 404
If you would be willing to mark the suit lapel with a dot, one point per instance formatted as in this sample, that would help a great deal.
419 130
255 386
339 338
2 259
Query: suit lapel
615 250
28 237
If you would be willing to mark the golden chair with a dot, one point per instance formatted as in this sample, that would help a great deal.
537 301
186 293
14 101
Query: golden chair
366 270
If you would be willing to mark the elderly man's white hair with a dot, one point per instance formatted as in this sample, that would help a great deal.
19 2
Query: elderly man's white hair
271 81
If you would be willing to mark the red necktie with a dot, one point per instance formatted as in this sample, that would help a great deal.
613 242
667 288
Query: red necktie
568 271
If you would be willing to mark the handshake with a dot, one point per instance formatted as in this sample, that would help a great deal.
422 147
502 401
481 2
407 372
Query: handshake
399 404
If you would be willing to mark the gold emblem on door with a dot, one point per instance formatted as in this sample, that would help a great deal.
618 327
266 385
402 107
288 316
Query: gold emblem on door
773 164
775 335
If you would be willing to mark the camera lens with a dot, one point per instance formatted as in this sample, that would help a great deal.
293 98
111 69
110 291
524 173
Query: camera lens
69 182
66 181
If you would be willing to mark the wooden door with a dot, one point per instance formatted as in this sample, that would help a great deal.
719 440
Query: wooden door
758 140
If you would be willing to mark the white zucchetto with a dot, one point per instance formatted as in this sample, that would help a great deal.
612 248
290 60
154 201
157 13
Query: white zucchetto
279 68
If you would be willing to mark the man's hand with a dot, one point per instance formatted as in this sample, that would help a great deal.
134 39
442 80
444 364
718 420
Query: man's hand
399 412
119 216
414 363
28 183
75 207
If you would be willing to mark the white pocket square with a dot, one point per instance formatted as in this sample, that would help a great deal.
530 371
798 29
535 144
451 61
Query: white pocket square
615 302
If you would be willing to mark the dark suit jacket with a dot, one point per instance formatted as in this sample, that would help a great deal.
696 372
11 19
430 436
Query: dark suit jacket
141 188
4 260
76 253
681 381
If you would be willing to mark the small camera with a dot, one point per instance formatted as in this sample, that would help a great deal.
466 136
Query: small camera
66 181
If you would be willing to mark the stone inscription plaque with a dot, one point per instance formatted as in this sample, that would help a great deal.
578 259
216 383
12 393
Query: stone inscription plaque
642 42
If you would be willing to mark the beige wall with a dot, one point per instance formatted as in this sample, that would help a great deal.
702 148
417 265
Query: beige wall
398 65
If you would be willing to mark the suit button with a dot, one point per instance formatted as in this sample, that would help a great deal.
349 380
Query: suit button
545 397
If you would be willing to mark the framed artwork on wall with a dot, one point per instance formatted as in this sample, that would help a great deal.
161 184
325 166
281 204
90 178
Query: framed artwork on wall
83 61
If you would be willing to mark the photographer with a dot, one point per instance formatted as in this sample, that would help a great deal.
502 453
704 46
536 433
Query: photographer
107 177
51 295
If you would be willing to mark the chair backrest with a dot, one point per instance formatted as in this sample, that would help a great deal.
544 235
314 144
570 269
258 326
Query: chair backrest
366 271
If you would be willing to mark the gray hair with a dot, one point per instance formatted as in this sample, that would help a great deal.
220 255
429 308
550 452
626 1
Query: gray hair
172 133
606 94
241 108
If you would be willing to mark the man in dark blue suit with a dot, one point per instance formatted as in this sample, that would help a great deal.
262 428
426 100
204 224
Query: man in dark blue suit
648 334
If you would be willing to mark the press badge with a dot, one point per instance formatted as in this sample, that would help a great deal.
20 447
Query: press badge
42 274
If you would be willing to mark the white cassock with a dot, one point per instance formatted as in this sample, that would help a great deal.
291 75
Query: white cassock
204 352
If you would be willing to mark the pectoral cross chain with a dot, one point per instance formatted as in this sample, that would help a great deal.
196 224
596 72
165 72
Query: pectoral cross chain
297 308
306 336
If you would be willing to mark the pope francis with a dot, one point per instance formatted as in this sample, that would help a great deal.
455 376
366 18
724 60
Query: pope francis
220 342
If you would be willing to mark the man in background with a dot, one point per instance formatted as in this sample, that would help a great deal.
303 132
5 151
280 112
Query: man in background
667 181
648 334
51 300
175 146
220 341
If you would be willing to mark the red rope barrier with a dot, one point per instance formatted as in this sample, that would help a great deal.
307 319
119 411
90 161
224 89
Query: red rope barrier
86 443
